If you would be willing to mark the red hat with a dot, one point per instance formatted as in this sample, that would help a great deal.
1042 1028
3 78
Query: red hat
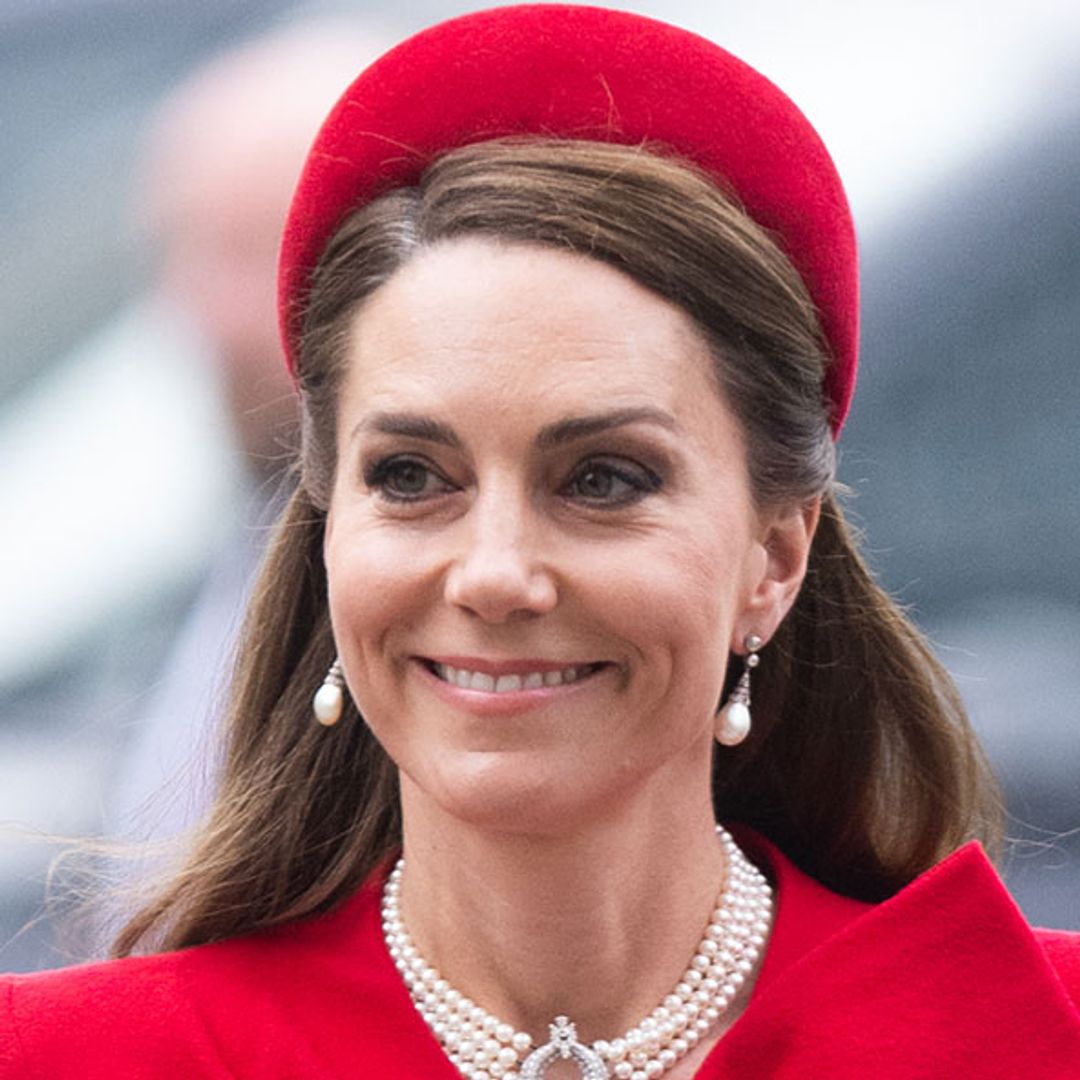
566 71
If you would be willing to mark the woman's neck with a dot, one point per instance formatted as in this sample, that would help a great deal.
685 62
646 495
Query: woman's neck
597 925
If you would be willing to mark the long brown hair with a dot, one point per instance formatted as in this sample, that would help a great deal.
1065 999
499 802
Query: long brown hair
862 765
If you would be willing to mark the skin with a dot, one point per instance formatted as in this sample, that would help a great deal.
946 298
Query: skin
471 523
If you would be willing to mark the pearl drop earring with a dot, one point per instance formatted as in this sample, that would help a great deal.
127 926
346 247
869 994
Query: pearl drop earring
329 699
733 721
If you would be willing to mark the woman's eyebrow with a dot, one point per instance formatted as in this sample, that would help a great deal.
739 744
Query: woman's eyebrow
411 425
578 427
418 426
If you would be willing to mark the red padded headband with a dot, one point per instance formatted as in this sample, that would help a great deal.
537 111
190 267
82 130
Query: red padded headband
566 71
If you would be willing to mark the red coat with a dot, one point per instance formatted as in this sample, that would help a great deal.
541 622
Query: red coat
943 980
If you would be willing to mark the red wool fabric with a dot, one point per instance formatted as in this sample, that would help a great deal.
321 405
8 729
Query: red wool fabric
578 72
943 980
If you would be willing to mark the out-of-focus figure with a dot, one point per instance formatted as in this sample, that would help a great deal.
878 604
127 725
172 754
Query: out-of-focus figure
219 169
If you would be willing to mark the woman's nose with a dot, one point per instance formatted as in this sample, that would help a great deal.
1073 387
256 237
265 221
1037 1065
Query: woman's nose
500 574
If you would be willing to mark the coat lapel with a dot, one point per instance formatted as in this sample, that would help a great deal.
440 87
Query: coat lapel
944 979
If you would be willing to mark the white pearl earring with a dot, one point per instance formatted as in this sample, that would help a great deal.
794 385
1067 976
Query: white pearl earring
329 699
733 720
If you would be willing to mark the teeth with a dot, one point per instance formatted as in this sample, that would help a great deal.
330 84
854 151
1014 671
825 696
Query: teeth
452 675
533 680
479 681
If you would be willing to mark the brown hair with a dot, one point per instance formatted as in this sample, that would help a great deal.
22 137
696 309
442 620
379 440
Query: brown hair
861 765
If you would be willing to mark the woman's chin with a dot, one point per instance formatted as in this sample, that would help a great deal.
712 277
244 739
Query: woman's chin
504 792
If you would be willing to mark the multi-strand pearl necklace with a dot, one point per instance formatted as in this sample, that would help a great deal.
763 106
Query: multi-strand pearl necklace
484 1048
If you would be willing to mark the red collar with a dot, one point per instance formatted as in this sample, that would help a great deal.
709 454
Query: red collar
944 976
943 980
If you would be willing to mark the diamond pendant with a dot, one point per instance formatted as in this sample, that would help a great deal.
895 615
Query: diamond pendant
563 1046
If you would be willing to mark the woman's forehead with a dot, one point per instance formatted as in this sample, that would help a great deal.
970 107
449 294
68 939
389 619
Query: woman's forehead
477 345
504 320
503 302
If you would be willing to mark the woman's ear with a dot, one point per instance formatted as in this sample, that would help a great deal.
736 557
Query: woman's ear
784 538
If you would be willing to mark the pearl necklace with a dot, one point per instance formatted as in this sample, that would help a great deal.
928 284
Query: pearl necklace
482 1047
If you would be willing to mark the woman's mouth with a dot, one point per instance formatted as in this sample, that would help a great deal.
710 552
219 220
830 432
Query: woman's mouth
511 682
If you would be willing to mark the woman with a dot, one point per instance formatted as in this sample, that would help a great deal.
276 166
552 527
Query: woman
570 299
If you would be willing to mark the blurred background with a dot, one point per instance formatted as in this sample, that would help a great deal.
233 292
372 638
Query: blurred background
144 423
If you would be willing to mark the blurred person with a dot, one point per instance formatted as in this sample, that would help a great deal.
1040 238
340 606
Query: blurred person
571 299
220 165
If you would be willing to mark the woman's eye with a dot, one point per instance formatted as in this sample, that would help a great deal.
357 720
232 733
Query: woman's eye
611 484
404 479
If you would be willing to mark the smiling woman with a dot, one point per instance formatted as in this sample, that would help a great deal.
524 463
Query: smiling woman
571 372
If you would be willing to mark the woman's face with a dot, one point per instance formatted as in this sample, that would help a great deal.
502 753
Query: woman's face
541 543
